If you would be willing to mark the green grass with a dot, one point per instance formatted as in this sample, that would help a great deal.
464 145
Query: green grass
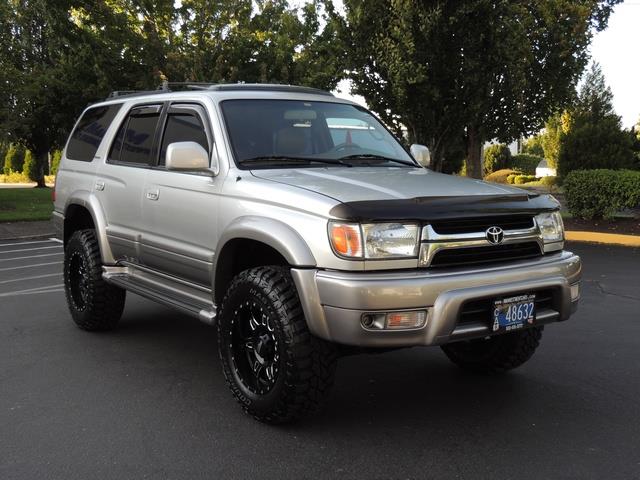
25 204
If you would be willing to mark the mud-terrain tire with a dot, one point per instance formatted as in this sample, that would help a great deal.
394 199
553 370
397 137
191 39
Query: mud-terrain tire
495 354
276 369
94 304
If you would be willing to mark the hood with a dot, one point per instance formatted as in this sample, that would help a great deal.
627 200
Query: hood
380 183
379 193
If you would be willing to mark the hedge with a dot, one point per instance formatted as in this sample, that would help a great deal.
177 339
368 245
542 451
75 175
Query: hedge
525 163
522 179
601 193
496 157
500 176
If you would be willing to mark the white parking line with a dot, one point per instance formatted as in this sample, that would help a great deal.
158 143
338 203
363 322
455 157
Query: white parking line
29 266
35 277
57 240
29 249
32 256
32 291
29 243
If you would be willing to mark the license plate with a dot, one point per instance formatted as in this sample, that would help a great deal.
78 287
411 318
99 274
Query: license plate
513 313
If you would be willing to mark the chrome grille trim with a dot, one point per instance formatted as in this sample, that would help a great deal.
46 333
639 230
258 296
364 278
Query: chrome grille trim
433 242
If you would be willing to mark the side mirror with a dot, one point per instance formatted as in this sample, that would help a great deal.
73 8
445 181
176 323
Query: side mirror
421 154
187 156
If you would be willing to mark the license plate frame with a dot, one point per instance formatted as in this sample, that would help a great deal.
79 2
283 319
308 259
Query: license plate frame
513 313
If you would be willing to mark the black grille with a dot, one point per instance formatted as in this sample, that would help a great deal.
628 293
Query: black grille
475 255
472 225
479 311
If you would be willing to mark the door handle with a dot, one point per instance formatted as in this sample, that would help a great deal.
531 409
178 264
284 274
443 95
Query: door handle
99 185
153 194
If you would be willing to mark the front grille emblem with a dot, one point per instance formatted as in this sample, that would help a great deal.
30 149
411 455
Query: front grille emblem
495 235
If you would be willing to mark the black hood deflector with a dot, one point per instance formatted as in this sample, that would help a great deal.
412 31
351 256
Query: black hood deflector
425 209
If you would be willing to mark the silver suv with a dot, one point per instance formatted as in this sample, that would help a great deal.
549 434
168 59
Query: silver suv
298 224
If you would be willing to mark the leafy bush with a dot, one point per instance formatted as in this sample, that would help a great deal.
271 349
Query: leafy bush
601 193
522 179
500 176
548 181
55 161
496 157
525 163
14 177
29 168
14 160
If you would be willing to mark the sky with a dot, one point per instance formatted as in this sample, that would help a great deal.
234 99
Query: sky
616 49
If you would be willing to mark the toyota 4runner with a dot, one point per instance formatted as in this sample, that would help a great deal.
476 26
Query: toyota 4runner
298 225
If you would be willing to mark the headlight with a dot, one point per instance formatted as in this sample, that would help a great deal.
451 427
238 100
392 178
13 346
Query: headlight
552 229
374 240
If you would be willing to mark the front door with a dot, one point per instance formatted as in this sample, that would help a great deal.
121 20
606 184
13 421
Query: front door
180 208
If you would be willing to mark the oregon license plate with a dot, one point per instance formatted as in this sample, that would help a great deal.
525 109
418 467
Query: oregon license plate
513 313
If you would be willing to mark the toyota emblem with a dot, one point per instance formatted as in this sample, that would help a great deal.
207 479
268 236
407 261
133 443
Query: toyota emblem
495 235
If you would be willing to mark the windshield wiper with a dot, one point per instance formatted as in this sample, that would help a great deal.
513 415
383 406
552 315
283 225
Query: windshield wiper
370 156
284 159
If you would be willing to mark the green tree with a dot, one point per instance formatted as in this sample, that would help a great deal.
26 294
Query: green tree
478 68
533 145
591 135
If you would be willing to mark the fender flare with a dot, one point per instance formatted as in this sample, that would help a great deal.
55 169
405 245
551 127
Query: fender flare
278 235
89 201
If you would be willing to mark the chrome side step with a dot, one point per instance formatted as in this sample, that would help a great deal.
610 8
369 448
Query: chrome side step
190 298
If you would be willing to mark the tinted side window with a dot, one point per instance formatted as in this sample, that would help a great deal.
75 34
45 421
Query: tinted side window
134 140
89 132
183 127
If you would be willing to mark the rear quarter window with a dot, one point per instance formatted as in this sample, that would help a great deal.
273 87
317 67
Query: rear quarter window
90 131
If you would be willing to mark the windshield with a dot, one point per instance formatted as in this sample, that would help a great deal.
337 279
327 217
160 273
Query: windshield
275 133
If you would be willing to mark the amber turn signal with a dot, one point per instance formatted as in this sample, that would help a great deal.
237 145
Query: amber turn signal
346 239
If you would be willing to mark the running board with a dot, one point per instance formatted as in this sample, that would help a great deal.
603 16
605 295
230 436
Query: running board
190 298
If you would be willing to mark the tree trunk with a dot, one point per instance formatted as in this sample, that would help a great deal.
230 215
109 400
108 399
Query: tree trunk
474 153
41 159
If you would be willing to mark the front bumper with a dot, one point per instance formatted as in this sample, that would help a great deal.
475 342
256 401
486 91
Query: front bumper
334 302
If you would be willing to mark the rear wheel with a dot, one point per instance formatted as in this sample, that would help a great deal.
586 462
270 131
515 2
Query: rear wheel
93 303
276 369
495 354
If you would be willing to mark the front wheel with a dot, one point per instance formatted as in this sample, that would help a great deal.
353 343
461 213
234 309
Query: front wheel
495 354
276 369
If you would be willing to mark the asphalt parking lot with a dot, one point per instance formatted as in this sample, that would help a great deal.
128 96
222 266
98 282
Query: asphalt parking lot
149 400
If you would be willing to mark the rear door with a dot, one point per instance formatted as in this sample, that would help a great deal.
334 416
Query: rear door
120 181
181 208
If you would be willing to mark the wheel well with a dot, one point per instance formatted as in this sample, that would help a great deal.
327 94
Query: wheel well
241 254
76 218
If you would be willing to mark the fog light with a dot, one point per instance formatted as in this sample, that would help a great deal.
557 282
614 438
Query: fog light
394 320
575 292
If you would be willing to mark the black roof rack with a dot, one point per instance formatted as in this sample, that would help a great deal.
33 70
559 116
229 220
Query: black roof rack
166 87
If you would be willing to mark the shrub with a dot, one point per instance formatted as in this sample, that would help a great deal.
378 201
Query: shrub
55 161
500 176
15 177
522 179
496 157
29 168
526 163
601 193
14 160
548 181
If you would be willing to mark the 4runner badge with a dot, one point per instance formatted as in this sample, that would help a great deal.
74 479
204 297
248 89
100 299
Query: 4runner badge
495 235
